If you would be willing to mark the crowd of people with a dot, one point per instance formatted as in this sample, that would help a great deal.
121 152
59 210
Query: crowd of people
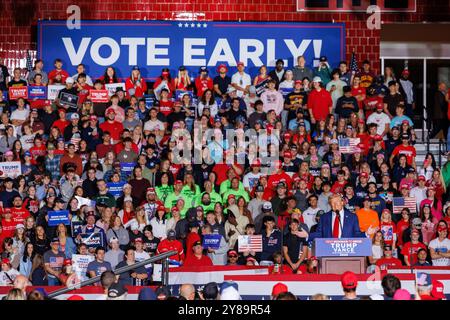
426 288
73 152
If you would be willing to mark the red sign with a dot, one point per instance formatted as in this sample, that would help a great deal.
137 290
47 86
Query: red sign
355 5
18 92
99 96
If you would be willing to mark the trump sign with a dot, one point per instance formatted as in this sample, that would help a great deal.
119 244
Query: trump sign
154 45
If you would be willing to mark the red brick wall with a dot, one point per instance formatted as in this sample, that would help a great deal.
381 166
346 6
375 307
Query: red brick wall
19 17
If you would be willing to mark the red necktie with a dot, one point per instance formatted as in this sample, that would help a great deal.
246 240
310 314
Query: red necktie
336 225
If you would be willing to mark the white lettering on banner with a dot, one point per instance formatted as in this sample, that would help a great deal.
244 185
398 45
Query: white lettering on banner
271 59
132 44
112 44
193 51
189 51
297 51
153 51
245 54
222 45
344 248
76 57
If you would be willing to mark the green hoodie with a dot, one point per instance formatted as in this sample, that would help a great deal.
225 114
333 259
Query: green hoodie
163 191
214 196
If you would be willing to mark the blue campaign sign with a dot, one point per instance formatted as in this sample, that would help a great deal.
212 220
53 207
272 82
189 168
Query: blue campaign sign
154 45
211 241
115 188
92 240
345 247
37 92
5 95
127 167
57 217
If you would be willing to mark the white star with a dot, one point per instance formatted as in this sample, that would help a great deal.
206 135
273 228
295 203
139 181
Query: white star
186 25
193 25
199 25
180 25
205 25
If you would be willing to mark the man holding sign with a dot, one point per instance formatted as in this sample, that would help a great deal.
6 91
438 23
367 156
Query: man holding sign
217 250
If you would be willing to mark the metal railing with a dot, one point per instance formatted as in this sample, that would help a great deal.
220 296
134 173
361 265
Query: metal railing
164 276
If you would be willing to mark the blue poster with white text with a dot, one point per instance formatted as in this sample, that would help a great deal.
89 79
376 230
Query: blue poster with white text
153 45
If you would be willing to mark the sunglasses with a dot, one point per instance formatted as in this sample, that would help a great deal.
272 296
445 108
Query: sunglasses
232 256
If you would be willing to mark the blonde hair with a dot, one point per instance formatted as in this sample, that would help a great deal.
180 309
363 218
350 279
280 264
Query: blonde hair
15 294
320 296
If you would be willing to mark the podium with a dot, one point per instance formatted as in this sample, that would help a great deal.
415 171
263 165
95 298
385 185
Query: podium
339 255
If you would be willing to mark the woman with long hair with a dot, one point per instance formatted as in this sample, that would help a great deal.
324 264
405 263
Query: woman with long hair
105 220
18 151
127 213
164 81
189 109
109 76
389 75
135 84
140 219
388 228
429 224
207 101
21 186
242 206
30 227
11 252
437 182
117 230
377 248
434 202
38 276
19 238
182 81
40 241
159 223
31 201
27 260
66 243
108 161
7 141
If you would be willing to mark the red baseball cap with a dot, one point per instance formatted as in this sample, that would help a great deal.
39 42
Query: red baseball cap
287 154
6 260
67 262
349 280
422 178
256 163
137 240
441 228
404 186
161 208
93 118
386 210
151 190
231 196
415 231
363 175
178 182
380 106
175 209
287 136
110 110
298 82
405 71
361 121
240 63
222 66
279 288
75 297
438 289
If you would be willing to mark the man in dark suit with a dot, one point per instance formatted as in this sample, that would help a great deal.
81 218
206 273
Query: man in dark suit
338 223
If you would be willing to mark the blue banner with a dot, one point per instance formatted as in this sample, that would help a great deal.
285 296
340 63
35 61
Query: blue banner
127 167
116 188
154 45
211 241
37 92
57 217
345 247
92 240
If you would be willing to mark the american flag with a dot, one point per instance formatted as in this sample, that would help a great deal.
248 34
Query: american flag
354 63
250 243
349 145
399 203
29 63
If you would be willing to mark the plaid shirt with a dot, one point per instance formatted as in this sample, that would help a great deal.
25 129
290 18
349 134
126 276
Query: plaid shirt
52 165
